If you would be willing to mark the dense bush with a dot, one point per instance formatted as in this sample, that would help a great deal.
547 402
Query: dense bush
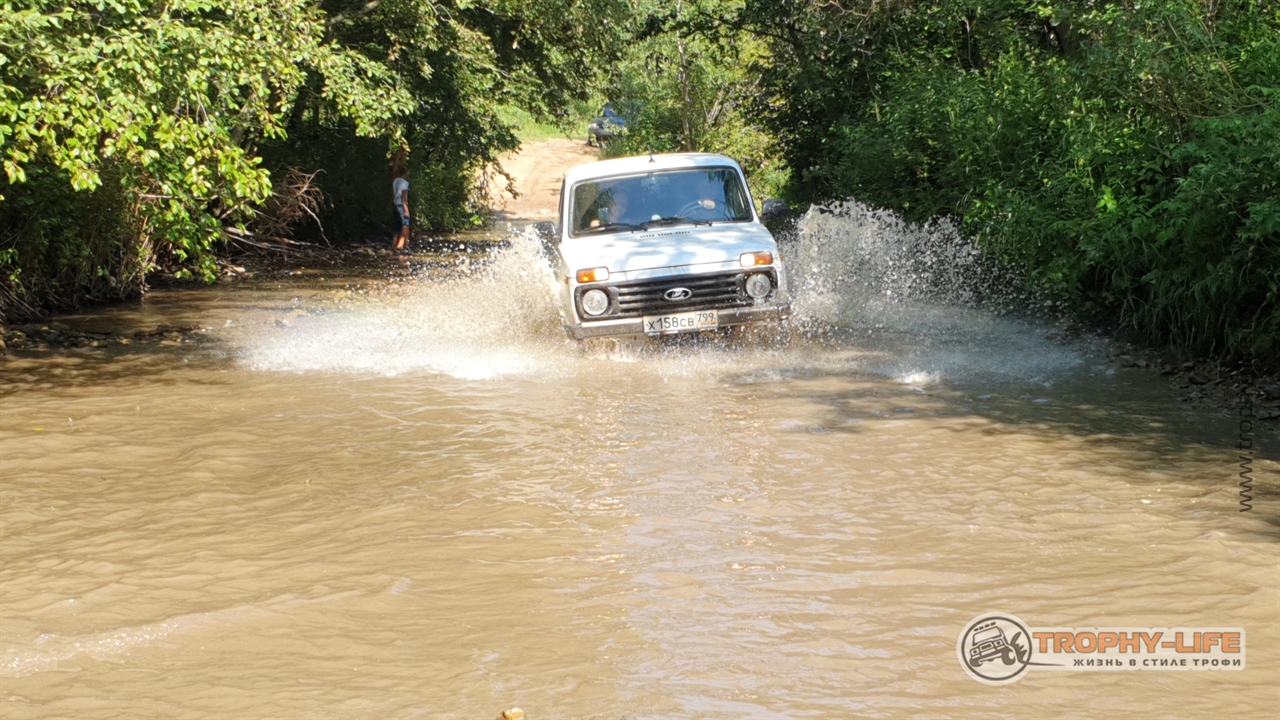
126 130
460 64
134 132
1125 156
683 83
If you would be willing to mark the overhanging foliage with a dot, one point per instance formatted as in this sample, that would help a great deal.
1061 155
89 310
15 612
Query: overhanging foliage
133 132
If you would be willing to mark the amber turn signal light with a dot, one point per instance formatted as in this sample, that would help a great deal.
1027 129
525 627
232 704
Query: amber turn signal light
752 259
593 275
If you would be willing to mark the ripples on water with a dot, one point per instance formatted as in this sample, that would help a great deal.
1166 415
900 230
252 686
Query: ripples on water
433 505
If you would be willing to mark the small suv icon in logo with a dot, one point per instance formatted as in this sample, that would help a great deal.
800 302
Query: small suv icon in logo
995 649
989 643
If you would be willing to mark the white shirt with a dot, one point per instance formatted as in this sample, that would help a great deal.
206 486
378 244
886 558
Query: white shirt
398 188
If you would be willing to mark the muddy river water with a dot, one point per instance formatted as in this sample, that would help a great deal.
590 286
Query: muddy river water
400 492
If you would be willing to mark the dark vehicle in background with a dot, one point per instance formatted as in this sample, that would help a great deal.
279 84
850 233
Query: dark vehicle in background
607 125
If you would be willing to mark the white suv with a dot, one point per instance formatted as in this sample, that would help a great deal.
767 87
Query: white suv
662 244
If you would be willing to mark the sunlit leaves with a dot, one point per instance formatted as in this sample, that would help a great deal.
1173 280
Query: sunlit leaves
170 95
1124 155
131 131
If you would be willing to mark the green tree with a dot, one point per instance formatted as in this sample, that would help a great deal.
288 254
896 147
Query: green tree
134 133
126 129
683 82
1124 156
459 62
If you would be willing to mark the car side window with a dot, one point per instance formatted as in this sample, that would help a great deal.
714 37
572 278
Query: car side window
735 200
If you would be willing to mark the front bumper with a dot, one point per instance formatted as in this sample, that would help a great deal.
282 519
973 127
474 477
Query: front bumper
635 326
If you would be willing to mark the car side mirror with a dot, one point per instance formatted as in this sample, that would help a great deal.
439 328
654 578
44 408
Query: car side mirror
547 231
773 208
548 235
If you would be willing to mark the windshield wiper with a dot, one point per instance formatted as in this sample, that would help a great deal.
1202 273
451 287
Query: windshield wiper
674 221
610 226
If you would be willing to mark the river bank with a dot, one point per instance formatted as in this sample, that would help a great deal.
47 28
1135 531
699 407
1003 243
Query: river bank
1202 384
528 191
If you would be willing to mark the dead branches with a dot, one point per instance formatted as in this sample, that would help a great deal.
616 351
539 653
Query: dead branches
294 197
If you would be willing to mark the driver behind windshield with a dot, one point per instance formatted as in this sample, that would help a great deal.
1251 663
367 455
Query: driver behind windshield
610 208
639 202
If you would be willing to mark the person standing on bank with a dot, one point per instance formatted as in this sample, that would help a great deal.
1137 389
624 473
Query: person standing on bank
400 196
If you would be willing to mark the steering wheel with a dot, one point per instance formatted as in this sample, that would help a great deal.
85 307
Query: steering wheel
692 209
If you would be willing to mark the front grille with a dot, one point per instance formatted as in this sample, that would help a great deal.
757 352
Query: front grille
707 292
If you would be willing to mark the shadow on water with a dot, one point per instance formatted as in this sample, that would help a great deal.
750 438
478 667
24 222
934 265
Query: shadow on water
1117 420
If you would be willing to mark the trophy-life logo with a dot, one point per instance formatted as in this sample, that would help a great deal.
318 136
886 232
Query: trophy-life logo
999 648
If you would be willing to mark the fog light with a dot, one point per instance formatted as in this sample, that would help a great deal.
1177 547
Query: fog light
759 286
593 275
752 259
595 302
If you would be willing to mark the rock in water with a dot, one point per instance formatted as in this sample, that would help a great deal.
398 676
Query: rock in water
512 714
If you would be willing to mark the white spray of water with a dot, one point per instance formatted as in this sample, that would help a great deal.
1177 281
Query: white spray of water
918 299
923 294
854 263
480 321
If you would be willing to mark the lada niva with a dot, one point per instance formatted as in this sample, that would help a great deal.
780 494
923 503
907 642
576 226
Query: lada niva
662 244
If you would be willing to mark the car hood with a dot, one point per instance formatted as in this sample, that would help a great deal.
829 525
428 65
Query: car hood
666 247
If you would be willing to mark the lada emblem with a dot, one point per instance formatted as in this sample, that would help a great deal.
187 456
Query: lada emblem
678 294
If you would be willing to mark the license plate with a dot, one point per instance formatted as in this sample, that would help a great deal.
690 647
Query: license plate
681 322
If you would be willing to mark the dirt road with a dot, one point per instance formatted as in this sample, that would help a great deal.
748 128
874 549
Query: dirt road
536 170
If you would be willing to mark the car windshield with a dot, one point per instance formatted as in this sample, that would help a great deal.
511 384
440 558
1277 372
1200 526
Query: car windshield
669 197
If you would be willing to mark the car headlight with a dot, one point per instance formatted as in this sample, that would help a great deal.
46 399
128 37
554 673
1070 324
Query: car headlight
752 259
759 285
595 302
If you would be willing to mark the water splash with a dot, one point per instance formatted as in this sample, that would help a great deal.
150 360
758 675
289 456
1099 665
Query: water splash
854 263
924 295
478 321
915 303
